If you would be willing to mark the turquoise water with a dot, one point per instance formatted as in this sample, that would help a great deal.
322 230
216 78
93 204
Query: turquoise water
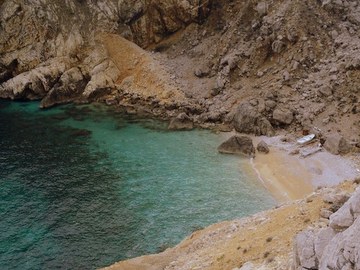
82 186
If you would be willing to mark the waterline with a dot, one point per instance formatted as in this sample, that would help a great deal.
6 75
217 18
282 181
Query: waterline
84 187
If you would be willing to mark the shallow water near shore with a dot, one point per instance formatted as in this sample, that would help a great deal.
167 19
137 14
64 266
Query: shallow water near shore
83 186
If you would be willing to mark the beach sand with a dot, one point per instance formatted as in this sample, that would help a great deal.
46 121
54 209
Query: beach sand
290 177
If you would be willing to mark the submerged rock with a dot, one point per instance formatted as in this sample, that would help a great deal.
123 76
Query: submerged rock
181 122
81 133
238 145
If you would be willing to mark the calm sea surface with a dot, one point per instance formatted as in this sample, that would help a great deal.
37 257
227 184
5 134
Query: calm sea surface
83 186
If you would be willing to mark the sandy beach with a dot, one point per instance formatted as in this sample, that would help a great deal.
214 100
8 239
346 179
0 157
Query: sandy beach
293 176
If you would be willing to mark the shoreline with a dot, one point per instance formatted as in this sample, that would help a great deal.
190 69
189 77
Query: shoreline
288 177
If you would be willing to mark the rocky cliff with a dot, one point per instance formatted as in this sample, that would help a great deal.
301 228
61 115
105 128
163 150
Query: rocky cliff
61 51
257 66
335 246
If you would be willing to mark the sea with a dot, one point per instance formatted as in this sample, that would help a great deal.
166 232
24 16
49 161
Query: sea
84 186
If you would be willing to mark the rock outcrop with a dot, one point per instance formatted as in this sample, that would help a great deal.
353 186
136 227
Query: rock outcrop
238 145
334 247
48 51
291 73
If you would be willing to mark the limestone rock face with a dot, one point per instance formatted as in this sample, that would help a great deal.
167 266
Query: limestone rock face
43 42
151 22
35 83
334 247
336 144
304 248
70 85
238 145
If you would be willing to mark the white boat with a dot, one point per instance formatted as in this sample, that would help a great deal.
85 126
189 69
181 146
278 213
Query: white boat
306 139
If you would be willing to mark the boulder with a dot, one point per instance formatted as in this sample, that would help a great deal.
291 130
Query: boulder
262 147
325 213
181 122
346 215
337 145
264 127
238 145
325 91
262 8
247 119
283 115
304 251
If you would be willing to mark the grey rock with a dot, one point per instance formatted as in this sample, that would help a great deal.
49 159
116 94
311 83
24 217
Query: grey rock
247 119
336 197
343 250
264 127
346 215
334 247
262 147
304 250
342 219
70 85
278 46
238 145
286 76
323 238
262 8
36 83
270 104
325 213
325 91
337 145
283 115
201 72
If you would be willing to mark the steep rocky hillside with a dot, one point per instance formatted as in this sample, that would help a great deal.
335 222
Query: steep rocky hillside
257 66
254 65
72 50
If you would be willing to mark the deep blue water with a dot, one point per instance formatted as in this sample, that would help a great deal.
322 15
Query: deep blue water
83 186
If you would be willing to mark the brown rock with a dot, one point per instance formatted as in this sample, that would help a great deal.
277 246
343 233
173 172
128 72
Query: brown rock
337 145
238 145
181 122
262 147
247 119
283 115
